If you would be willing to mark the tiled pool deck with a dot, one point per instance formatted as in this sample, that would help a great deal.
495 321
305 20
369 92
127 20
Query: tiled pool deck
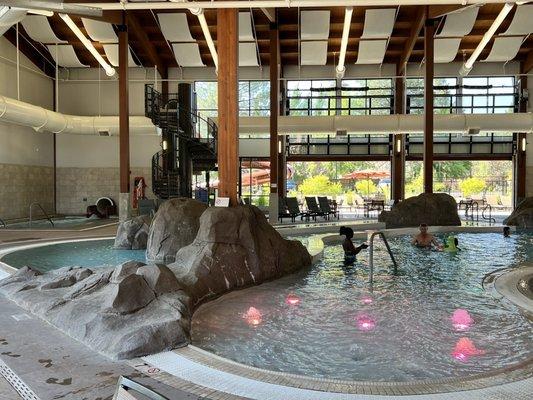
55 366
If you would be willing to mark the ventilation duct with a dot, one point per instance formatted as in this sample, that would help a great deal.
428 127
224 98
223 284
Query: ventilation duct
10 16
43 120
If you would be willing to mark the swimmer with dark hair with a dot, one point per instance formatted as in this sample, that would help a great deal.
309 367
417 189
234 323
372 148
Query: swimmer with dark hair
506 231
350 251
424 239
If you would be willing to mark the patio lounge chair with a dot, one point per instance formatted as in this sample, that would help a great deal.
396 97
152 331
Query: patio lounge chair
293 209
313 208
325 207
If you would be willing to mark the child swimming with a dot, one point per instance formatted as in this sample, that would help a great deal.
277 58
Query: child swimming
350 251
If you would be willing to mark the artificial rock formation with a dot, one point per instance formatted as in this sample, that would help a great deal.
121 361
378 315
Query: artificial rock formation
123 312
437 209
132 234
136 309
522 215
234 248
175 225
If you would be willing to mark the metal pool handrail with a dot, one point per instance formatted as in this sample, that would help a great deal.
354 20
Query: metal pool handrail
42 209
371 253
3 223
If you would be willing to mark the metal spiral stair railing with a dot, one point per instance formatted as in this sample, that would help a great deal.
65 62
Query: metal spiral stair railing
202 145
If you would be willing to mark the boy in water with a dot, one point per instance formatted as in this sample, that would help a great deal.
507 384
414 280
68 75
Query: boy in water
350 251
425 239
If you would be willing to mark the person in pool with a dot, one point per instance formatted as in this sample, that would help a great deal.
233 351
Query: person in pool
424 239
350 251
506 231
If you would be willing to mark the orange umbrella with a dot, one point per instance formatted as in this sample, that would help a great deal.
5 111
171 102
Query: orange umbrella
366 174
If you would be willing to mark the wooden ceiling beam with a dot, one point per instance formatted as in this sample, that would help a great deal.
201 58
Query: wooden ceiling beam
411 41
527 65
136 30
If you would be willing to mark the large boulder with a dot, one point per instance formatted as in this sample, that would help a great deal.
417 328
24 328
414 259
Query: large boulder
235 247
522 215
132 234
175 226
438 209
124 312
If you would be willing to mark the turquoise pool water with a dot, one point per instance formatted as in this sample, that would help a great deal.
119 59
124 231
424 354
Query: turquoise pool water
90 254
431 320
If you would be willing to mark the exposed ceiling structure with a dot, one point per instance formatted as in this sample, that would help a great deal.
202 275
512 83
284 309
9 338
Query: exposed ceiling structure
308 36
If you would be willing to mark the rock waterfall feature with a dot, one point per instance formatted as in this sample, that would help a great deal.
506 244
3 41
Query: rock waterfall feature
137 309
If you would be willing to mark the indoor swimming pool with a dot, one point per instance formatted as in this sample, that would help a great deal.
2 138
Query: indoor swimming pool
431 320
69 223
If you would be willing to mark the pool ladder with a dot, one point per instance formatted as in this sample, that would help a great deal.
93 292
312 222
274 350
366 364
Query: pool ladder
42 210
2 222
371 253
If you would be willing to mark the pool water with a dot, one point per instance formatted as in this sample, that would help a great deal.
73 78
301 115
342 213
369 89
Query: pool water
62 223
90 254
431 320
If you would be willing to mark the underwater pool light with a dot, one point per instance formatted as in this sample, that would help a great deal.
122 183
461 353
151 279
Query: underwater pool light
365 323
461 320
367 300
253 316
292 299
464 349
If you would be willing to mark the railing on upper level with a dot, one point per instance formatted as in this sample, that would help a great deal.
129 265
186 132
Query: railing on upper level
164 111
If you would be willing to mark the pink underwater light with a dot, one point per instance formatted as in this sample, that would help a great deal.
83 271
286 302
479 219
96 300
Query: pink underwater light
464 349
292 299
365 322
461 320
367 300
253 316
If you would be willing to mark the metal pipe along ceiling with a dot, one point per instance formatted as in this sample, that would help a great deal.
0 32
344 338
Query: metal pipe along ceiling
396 123
43 120
176 4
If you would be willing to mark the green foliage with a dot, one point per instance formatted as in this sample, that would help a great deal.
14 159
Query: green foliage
471 186
439 187
319 185
366 187
415 186
349 196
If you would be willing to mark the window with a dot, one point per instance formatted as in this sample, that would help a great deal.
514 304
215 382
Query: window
367 97
315 97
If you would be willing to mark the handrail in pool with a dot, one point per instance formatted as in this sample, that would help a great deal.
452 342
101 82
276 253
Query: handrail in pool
2 222
44 212
371 254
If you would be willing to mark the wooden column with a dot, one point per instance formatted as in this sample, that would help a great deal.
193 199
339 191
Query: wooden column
228 109
398 146
282 157
275 167
519 164
429 31
124 126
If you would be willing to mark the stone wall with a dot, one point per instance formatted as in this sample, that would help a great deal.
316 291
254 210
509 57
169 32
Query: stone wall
23 185
78 188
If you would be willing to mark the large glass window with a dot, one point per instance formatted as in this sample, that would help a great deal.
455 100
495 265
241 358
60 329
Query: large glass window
315 97
366 96
254 98
445 95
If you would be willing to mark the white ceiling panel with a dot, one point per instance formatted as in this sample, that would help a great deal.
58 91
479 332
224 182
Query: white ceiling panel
314 25
66 56
99 31
314 53
175 27
522 23
371 51
111 51
459 23
188 54
248 55
38 28
245 27
446 49
379 23
504 48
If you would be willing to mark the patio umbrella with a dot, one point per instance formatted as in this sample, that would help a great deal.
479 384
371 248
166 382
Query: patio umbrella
366 174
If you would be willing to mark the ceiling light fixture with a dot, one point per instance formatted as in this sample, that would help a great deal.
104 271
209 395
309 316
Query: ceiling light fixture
341 69
467 66
199 12
109 70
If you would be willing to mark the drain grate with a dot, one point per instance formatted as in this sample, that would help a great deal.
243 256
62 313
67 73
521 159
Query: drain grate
22 389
